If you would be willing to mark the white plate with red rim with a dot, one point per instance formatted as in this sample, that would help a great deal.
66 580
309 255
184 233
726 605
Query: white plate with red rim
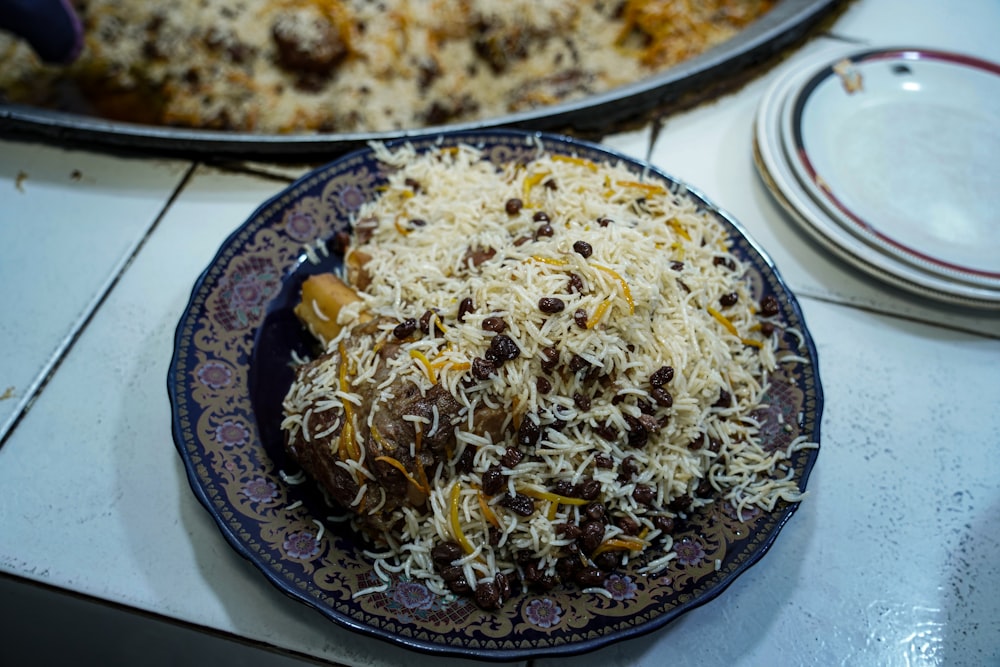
901 146
887 156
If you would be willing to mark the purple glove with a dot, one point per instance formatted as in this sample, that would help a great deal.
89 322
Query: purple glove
51 27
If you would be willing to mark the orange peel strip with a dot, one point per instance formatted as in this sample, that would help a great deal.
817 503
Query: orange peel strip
620 544
626 291
598 314
723 320
649 188
425 362
454 499
347 445
583 162
487 510
398 465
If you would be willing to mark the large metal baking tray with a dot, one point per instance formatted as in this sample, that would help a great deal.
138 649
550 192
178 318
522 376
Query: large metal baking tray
596 114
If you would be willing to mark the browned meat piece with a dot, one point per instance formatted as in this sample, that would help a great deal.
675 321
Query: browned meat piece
389 442
319 459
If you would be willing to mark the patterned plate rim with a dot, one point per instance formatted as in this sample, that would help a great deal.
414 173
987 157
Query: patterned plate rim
189 444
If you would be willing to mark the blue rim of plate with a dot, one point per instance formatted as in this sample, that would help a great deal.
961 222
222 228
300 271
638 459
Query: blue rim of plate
236 336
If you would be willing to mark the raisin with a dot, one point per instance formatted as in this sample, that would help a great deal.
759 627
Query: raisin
596 512
582 402
528 433
425 323
459 586
680 503
464 308
493 480
578 363
550 358
662 397
519 504
661 376
729 299
551 305
575 284
513 206
544 231
502 348
482 369
466 460
511 457
629 468
725 399
606 431
570 531
583 249
405 328
566 567
446 552
543 386
609 560
588 490
589 577
644 494
580 317
494 324
604 461
677 266
540 216
638 436
628 525
604 222
593 535
488 595
563 487
665 524
769 306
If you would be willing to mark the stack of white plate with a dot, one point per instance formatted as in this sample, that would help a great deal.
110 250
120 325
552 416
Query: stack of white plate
891 158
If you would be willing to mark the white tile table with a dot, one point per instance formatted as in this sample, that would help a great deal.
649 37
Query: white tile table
891 560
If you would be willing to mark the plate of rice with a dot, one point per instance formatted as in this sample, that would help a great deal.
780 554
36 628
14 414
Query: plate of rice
495 394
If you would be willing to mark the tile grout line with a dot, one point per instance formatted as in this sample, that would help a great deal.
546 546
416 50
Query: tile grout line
260 172
926 321
62 350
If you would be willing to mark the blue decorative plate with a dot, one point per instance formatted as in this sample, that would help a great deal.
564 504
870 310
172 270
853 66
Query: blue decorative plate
230 370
